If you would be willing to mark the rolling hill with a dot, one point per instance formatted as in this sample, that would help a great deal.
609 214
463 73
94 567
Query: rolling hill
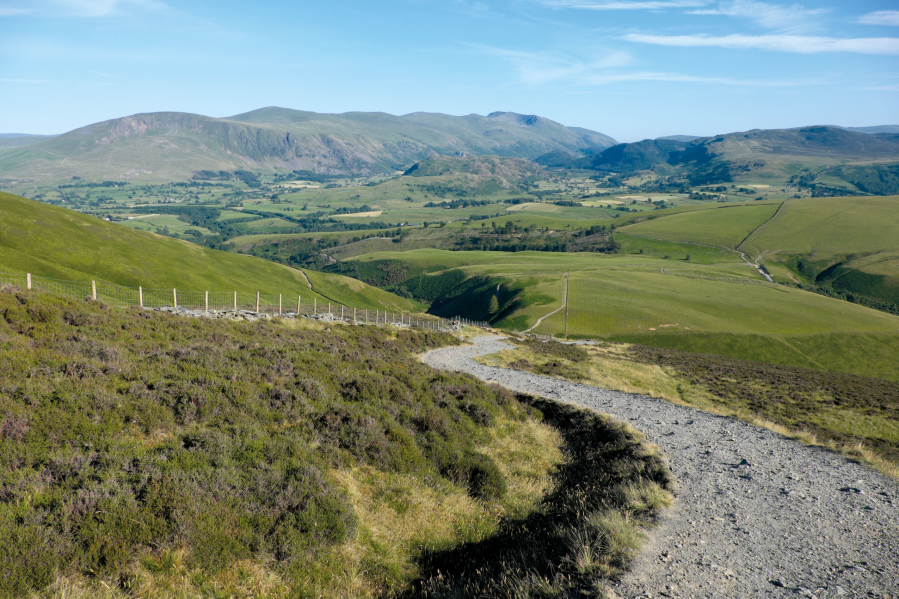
59 243
166 146
722 308
846 244
775 155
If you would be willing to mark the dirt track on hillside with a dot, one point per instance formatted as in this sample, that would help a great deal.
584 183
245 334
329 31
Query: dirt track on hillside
757 514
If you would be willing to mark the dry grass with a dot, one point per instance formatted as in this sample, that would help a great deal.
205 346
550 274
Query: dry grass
610 367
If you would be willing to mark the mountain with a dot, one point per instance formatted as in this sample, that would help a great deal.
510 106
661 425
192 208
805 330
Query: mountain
59 243
775 154
16 140
510 169
173 145
876 129
685 138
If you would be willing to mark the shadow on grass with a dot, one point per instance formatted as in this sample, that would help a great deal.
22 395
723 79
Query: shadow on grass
585 532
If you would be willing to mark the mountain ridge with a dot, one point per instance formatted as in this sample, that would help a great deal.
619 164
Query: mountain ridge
173 145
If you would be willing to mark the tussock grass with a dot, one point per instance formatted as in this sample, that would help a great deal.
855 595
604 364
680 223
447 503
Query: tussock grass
852 415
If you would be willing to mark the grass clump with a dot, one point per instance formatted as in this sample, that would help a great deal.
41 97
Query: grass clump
148 455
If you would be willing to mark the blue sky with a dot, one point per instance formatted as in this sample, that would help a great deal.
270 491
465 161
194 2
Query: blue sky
628 68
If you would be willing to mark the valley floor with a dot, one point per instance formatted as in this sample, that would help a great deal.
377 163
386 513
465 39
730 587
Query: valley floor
757 514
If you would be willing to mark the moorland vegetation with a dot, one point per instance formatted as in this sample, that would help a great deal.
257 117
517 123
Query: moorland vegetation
150 456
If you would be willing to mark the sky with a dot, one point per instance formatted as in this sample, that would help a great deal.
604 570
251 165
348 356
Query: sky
632 69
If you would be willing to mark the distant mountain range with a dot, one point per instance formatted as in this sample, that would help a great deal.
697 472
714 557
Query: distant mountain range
173 145
805 153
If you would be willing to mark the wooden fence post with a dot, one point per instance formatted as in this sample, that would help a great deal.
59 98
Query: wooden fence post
94 290
314 306
207 302
140 296
28 281
329 307
175 298
354 314
341 312
299 303
257 301
279 304
235 300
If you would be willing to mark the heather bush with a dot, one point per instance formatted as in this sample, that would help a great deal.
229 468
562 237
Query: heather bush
128 434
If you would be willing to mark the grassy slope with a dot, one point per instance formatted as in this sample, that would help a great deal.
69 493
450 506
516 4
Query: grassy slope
723 307
831 225
58 243
723 227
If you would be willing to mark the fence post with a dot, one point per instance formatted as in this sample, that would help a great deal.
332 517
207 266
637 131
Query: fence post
257 301
28 281
314 306
94 290
279 304
329 307
175 298
341 312
207 302
235 300
299 303
354 314
140 296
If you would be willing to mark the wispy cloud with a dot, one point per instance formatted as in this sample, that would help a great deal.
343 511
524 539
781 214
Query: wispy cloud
800 44
623 4
7 10
773 16
881 17
535 69
85 9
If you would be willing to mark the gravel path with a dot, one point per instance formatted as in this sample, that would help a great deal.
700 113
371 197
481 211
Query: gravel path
757 514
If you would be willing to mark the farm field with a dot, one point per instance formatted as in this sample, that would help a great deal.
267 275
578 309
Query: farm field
830 225
58 243
165 222
722 227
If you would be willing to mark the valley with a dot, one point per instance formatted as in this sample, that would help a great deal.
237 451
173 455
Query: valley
751 276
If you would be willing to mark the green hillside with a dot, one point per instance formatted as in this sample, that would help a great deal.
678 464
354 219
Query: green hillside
59 243
830 225
722 227
721 307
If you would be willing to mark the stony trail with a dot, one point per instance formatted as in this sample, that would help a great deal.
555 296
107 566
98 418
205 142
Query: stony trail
757 514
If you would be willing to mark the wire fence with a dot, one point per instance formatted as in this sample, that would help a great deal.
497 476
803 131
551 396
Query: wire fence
215 302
